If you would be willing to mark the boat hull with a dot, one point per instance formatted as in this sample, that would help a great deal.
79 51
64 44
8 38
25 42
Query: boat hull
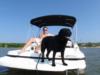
36 64
30 60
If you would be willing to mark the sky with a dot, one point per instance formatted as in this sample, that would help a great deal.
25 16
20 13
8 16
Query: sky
15 16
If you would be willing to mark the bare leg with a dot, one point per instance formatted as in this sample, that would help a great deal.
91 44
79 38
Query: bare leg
29 42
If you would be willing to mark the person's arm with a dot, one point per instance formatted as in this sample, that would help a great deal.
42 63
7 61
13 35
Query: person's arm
41 35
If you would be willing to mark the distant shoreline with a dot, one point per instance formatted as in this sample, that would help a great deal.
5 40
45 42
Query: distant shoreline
90 47
20 45
11 45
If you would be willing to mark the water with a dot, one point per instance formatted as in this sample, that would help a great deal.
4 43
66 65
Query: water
92 61
3 51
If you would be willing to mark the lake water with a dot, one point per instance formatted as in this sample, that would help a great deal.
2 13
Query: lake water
92 60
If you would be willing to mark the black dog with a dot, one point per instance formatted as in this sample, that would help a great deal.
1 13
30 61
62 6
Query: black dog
56 43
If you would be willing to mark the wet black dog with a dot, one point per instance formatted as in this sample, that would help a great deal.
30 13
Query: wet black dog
56 44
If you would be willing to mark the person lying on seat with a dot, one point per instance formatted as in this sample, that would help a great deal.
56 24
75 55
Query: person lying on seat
36 41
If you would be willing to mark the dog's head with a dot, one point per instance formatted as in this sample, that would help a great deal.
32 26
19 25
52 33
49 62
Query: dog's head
65 32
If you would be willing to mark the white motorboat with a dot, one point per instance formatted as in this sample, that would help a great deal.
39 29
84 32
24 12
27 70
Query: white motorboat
30 60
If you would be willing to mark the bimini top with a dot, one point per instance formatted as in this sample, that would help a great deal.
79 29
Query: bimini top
54 20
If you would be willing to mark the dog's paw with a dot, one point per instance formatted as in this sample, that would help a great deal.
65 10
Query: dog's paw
42 60
65 64
53 65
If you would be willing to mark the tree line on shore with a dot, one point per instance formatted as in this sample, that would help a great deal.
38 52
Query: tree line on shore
89 44
11 45
18 45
